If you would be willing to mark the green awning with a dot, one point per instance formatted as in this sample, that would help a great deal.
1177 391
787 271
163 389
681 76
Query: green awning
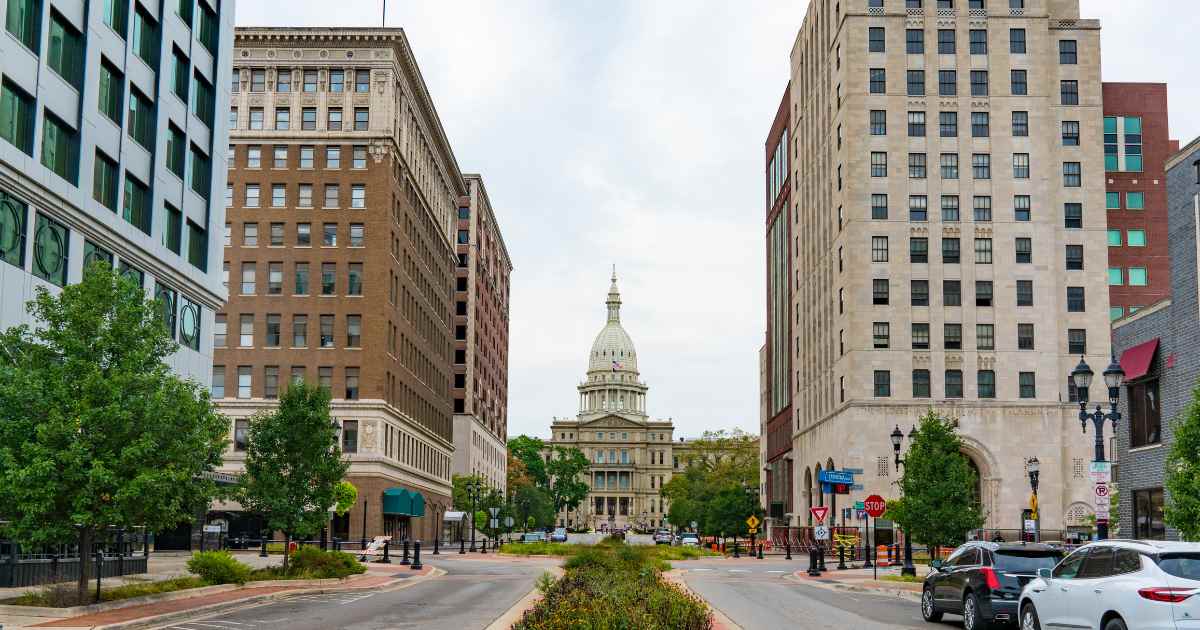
403 502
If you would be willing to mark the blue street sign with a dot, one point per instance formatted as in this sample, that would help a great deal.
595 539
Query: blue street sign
835 476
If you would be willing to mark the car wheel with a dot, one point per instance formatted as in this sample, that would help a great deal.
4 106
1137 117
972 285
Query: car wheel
1116 623
1029 618
929 612
972 619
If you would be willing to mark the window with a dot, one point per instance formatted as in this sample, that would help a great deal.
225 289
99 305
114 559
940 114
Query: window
920 293
273 328
954 384
986 380
980 124
983 293
1135 201
1137 277
1016 41
358 157
303 234
1133 143
203 99
878 164
920 381
276 235
1073 216
947 83
915 41
337 80
879 249
233 124
945 42
258 80
246 331
920 336
880 335
951 293
274 278
1072 175
282 119
985 336
982 206
1028 384
950 251
145 41
949 164
878 122
1022 210
301 278
172 228
253 194
1077 341
325 378
137 209
878 81
948 124
50 249
271 381
883 383
256 118
305 196
950 209
299 331
112 91
978 42
326 323
1070 133
329 235
1019 82
218 389
983 251
353 331
104 181
354 279
361 118
248 278
356 235
1024 292
333 157
283 80
1021 166
250 234
334 122
1145 418
880 290
243 392
24 21
1024 336
916 165
1074 257
919 250
1114 237
358 196
916 124
308 118
306 156
1134 238
254 157
979 83
1148 521
1115 277
209 34
60 148
362 80
953 336
310 81
875 39
879 207
1068 52
1069 90
916 83
981 166
1020 124
65 54
328 278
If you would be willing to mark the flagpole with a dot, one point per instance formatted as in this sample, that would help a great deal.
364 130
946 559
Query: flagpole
383 21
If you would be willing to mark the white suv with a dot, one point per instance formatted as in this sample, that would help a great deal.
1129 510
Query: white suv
1117 585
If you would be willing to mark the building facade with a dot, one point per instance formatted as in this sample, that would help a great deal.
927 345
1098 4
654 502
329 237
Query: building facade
341 202
1136 147
481 303
1156 346
110 151
949 240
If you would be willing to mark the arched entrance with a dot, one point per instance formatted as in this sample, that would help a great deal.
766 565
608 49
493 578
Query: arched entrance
833 511
987 482
808 489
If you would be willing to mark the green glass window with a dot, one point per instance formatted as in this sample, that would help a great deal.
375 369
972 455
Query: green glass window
189 324
1114 238
1110 124
1114 277
1110 161
131 273
60 148
116 15
179 71
197 246
184 9
202 99
93 253
201 173
141 119
16 117
50 251
172 235
1136 238
12 230
1135 200
168 304
23 20
104 181
209 32
1133 125
145 38
1112 200
1115 313
65 52
112 91
176 150
1133 163
1137 277
137 204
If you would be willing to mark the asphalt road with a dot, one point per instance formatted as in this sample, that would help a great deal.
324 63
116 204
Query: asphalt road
472 594
755 594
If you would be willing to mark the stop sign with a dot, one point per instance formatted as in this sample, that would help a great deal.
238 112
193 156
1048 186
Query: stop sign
875 506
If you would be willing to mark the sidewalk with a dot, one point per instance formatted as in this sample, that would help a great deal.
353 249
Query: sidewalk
864 580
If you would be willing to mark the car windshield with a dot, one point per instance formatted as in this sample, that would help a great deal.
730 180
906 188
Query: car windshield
1183 565
687 536
1021 561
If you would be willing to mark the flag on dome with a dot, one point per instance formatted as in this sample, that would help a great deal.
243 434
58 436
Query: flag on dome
617 366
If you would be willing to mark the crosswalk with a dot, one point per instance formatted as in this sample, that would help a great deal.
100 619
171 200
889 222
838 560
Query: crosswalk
339 599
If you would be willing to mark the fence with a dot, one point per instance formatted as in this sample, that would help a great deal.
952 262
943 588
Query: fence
60 563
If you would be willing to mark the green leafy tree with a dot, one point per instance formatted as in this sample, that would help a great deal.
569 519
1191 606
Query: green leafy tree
715 487
563 470
533 506
1183 473
937 505
345 495
529 450
293 464
95 430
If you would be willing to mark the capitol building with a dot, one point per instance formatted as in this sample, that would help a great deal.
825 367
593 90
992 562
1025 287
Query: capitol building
631 455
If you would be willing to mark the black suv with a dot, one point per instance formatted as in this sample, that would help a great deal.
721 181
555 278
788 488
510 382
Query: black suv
982 581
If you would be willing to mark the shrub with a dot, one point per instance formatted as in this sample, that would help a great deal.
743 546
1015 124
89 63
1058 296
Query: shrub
325 564
218 567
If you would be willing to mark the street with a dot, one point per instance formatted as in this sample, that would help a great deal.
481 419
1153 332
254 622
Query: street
756 594
472 594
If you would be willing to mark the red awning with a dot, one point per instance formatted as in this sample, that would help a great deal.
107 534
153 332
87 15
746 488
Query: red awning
1136 360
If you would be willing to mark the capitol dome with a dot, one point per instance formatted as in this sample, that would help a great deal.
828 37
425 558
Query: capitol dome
613 349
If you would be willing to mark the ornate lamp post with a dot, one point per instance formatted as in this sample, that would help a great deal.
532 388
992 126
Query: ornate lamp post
898 438
1113 377
1033 467
474 490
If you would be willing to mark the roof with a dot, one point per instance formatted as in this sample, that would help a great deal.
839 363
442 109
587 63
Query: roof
1149 546
613 348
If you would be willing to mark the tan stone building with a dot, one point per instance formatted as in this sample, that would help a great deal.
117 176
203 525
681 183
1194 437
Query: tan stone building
949 247
343 192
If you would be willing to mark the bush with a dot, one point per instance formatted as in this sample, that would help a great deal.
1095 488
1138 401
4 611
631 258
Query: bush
61 596
218 567
315 563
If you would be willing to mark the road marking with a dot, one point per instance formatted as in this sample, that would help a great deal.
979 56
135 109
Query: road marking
776 571
739 571
702 570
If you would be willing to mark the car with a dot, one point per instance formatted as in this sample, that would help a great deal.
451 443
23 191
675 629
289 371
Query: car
688 539
559 535
662 537
1117 585
982 581
534 537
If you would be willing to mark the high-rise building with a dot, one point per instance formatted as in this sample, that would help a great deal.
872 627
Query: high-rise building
341 203
950 249
481 301
1136 147
110 151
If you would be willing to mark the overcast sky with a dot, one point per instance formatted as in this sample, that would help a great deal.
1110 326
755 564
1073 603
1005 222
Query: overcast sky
631 133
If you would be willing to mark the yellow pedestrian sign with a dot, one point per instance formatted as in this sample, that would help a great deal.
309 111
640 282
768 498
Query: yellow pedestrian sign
752 522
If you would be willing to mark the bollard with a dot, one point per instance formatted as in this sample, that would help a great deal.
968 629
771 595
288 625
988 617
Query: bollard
120 552
387 558
821 557
462 545
735 548
404 560
436 540
814 567
416 563
483 547
867 564
263 553
99 571
787 546
841 558
760 546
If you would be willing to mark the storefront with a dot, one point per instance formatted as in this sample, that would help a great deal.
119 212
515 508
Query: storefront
400 506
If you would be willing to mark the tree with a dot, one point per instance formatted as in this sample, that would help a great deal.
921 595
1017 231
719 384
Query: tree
345 495
564 486
95 430
716 487
937 505
532 506
1183 473
529 450
293 464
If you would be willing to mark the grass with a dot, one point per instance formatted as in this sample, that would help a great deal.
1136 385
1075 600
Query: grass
911 579
63 596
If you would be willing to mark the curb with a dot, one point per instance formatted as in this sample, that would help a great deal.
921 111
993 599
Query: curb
511 616
855 588
720 620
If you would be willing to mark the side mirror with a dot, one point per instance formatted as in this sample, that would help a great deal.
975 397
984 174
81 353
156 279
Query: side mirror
1044 573
936 565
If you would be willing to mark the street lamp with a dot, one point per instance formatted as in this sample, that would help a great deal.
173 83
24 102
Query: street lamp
1033 467
897 438
1113 377
474 488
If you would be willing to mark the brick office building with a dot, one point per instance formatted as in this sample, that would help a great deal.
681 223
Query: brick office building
341 201
481 300
1136 147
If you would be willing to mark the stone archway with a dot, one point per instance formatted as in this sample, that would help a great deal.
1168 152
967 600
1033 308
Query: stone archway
808 490
987 488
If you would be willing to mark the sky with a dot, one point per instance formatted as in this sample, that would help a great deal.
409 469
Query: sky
631 133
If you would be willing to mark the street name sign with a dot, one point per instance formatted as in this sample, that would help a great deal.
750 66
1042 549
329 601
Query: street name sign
875 505
819 512
836 476
1101 472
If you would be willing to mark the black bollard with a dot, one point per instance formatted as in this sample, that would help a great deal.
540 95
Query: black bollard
868 552
263 553
416 563
735 548
841 558
436 540
821 557
483 547
814 567
387 557
99 570
787 546
462 545
760 546
404 560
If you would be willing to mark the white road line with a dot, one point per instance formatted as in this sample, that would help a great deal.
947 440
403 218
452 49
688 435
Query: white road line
739 571
701 570
776 571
